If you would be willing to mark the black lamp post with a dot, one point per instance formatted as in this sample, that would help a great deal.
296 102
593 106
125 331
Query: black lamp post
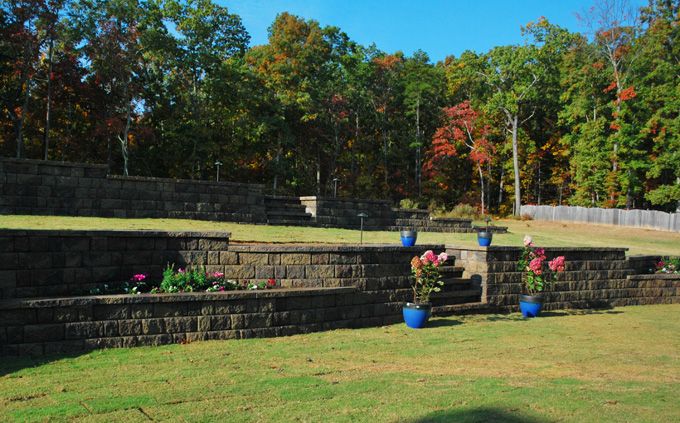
362 215
218 164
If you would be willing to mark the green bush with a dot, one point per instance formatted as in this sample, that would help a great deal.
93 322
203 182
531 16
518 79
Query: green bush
461 211
408 203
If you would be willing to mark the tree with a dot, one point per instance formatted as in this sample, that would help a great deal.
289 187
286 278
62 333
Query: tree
462 129
513 73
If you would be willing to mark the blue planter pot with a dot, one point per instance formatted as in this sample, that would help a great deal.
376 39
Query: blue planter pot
530 305
416 315
408 238
484 238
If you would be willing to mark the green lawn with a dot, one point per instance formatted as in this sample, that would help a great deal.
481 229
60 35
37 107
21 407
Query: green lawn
614 365
640 241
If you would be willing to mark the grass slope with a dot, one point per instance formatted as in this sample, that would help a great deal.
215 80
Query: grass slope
639 241
614 365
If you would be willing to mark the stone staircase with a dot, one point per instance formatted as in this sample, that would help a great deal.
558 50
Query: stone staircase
287 211
459 295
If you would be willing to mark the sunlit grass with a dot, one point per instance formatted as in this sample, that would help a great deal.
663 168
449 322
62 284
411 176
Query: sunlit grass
613 365
639 241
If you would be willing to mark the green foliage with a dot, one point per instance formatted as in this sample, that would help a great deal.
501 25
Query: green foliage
461 211
166 88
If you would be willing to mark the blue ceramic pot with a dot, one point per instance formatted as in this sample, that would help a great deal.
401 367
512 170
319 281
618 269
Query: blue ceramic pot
484 238
416 315
530 305
408 238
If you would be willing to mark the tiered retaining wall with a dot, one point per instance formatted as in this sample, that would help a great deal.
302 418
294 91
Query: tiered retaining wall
44 263
36 187
69 325
73 189
594 277
321 287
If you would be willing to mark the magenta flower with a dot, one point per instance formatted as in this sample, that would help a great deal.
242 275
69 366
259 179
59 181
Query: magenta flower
139 277
218 275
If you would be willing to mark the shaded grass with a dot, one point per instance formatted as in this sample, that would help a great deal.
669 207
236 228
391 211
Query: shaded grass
618 365
639 241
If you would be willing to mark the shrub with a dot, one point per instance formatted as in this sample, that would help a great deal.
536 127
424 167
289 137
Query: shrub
408 203
461 211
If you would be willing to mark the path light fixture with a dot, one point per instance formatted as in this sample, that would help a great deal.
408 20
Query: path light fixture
218 164
335 187
362 215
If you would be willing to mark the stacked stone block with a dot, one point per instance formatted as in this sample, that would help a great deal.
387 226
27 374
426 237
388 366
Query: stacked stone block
594 277
54 188
44 263
67 325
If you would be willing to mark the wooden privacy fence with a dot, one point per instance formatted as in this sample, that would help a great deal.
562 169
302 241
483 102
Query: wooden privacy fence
635 218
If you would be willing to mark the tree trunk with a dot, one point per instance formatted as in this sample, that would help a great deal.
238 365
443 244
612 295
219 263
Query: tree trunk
124 138
500 187
515 165
481 184
48 105
20 123
417 166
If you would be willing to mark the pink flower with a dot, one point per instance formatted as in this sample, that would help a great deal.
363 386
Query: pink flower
139 277
428 257
218 275
557 264
536 265
540 253
180 270
528 242
443 257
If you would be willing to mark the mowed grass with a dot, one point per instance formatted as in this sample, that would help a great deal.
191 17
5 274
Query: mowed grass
639 241
612 365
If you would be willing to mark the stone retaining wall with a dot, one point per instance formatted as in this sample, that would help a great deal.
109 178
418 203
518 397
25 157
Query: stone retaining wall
45 263
38 187
69 325
594 277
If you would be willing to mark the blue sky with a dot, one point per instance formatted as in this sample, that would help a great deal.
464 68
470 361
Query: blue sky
438 27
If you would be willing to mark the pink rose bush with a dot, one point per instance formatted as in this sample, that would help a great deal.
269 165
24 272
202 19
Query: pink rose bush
532 263
426 276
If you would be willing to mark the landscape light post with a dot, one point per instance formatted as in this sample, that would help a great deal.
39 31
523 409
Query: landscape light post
362 215
218 164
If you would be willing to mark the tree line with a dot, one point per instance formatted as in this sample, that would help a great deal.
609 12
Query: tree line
169 88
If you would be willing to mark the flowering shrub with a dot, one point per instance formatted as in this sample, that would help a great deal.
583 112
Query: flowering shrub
189 279
532 263
668 265
426 276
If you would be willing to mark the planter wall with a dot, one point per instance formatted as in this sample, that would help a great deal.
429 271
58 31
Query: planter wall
69 325
61 263
594 277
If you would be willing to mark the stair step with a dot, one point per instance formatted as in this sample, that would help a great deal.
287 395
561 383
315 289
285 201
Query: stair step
457 283
450 268
464 308
289 213
456 294
290 222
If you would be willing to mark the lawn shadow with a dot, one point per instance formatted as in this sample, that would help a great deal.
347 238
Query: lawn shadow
442 322
482 414
12 364
578 312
